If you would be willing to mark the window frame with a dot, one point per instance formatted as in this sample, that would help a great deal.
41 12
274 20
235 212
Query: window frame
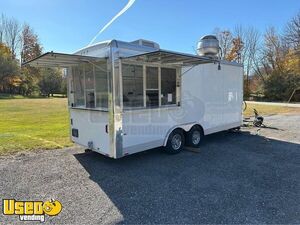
107 87
73 91
177 86
122 88
72 88
159 66
152 89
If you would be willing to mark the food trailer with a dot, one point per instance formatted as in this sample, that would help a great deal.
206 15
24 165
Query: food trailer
127 97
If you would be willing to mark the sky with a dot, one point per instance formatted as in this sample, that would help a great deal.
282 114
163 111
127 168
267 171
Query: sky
68 25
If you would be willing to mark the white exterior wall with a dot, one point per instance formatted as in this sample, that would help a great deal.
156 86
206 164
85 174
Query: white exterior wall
91 127
147 128
209 97
213 97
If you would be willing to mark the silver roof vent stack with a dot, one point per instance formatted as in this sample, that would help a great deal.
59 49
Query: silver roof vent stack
208 46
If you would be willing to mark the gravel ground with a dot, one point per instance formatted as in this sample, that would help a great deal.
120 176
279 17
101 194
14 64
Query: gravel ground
247 177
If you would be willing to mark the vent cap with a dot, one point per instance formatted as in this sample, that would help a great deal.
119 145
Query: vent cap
208 46
146 43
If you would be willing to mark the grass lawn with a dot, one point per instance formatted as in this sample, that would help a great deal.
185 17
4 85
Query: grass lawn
268 109
31 124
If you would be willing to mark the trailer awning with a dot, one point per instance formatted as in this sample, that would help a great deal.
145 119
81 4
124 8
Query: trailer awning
54 59
171 58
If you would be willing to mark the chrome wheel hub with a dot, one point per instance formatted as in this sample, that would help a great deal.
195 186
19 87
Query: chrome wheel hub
176 141
196 136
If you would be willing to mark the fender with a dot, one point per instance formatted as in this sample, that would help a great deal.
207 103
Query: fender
185 126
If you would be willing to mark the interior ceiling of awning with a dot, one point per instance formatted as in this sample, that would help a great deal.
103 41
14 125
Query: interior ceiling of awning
171 58
54 59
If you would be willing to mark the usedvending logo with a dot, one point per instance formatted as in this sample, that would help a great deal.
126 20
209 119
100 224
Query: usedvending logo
31 210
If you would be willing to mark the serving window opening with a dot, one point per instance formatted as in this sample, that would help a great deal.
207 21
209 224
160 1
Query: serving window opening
152 89
147 86
89 85
143 86
132 86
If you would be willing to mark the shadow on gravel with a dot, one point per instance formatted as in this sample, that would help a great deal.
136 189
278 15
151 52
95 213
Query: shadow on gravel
236 178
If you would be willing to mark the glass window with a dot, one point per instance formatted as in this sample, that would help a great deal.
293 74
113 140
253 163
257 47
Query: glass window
152 77
133 92
90 99
152 91
78 79
89 77
132 85
101 85
168 86
152 98
89 86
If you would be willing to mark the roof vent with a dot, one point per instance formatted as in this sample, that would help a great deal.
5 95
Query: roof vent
142 42
208 46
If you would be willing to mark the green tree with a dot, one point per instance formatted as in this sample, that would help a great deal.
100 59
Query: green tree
30 46
51 81
64 86
281 66
9 70
30 49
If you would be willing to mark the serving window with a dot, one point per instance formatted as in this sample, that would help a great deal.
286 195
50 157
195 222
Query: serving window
90 85
168 86
152 89
147 86
78 79
143 86
132 86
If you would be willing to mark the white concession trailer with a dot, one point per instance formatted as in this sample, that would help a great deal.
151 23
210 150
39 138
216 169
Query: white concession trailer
127 97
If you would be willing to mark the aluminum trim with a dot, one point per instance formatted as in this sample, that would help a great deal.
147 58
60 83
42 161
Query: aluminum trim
55 59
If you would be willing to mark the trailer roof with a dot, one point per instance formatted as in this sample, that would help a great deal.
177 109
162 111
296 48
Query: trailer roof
170 57
54 59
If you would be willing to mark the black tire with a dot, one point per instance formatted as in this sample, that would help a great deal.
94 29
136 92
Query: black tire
175 142
258 121
194 137
235 129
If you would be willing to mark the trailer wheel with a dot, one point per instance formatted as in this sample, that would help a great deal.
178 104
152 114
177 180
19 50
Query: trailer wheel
175 142
194 137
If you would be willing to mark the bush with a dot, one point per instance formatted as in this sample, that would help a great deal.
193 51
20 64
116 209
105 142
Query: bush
279 87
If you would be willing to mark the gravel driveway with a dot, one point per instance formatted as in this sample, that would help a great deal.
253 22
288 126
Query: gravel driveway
247 177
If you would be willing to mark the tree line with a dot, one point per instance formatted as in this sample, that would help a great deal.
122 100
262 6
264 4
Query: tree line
271 60
18 44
